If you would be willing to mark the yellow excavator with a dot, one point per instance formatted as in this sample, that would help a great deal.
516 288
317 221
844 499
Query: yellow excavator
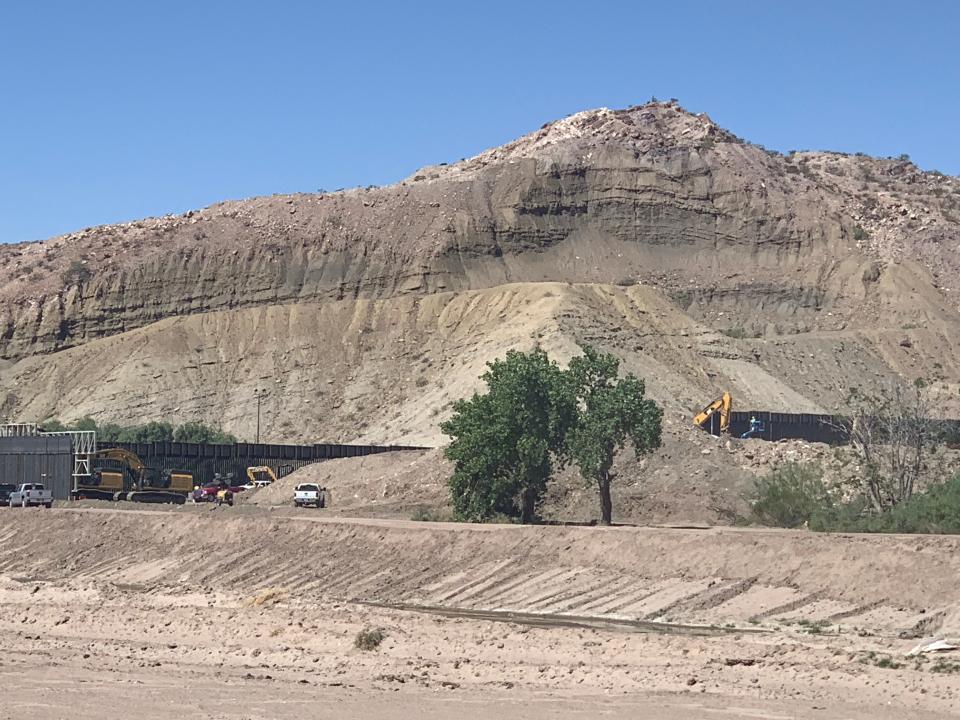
134 481
722 406
261 475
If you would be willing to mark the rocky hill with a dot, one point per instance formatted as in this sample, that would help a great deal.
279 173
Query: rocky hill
704 261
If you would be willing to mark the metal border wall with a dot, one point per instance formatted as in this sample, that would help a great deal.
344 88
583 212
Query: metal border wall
38 459
791 426
206 459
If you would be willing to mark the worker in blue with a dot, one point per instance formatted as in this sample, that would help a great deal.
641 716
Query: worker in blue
756 428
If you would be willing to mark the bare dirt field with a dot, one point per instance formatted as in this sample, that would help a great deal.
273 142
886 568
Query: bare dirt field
251 613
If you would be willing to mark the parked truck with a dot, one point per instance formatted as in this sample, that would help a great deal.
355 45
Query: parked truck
29 494
309 494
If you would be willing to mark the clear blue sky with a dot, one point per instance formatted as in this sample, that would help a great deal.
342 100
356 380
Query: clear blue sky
111 111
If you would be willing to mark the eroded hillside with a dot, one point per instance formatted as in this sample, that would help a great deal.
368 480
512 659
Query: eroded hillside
703 261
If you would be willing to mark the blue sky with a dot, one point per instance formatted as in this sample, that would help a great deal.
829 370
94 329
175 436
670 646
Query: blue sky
111 111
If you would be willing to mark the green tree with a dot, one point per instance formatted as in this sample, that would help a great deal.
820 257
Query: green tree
85 423
156 432
505 441
109 432
611 411
197 432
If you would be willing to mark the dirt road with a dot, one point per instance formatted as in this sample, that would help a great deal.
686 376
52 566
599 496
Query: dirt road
220 615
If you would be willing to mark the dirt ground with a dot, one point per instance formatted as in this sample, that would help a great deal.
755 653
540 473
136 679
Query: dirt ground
241 613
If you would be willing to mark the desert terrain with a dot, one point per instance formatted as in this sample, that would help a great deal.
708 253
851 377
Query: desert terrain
210 613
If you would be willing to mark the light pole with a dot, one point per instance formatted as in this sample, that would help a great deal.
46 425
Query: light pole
259 393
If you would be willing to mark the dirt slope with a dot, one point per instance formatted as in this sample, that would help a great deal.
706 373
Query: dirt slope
237 613
689 576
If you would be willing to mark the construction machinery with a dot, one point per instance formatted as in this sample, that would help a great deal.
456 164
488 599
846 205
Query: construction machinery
220 490
715 417
133 480
261 475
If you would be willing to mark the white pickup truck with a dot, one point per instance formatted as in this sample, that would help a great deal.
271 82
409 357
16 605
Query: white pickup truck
31 494
309 494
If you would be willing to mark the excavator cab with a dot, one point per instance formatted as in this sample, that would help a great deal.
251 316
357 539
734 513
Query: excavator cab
715 417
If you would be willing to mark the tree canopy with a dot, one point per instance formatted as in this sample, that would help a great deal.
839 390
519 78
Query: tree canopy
505 441
154 431
610 411
535 417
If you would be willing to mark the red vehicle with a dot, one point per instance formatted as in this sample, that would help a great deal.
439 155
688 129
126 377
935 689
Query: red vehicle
218 490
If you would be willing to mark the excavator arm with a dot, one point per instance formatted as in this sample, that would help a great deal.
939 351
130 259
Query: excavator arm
722 405
130 459
253 472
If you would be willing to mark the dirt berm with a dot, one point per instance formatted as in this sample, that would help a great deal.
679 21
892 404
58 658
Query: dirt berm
889 585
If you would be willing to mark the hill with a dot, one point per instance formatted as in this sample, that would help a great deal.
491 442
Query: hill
703 261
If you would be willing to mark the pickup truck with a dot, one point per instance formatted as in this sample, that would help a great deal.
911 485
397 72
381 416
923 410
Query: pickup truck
31 494
306 494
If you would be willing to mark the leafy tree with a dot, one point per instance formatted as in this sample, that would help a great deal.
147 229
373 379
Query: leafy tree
505 441
197 432
109 432
85 423
611 411
150 432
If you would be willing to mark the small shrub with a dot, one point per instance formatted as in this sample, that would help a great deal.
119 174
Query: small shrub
814 627
369 639
627 281
77 274
422 382
683 298
945 666
424 513
707 143
790 496
737 332
937 510
859 233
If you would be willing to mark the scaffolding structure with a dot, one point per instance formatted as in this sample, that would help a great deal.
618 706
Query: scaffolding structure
83 444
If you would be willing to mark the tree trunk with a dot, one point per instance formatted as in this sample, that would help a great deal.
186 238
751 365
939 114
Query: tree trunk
529 509
606 504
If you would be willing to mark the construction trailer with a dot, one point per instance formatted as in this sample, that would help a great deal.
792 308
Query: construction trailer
59 460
